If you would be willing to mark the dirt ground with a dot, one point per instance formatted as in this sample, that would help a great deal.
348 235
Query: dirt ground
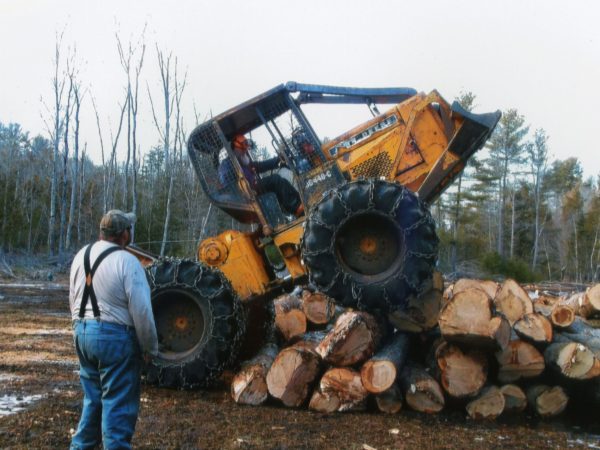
40 403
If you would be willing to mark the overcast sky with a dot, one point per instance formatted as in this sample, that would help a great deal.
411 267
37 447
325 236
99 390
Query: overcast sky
540 57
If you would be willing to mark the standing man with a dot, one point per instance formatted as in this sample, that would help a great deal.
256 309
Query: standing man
113 324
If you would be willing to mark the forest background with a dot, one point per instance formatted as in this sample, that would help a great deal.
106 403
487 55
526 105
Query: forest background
513 212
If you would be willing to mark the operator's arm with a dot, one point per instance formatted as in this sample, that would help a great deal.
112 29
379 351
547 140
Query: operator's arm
267 164
140 307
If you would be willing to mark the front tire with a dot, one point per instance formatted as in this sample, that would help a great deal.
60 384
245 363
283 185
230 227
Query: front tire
370 244
199 321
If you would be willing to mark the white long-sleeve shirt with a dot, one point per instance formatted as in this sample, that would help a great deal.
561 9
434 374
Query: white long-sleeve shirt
122 292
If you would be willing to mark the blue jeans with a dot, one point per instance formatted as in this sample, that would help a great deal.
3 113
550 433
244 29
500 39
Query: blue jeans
109 370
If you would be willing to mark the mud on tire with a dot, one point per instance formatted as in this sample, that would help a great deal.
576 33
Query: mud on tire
370 244
199 321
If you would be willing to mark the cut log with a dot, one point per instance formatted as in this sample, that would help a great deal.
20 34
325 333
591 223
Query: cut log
448 292
575 301
390 401
378 374
583 332
421 391
572 360
547 401
421 313
462 373
324 403
534 328
249 386
318 308
467 319
562 316
488 405
292 373
353 339
342 387
546 300
515 399
519 360
487 286
512 301
290 320
437 281
590 306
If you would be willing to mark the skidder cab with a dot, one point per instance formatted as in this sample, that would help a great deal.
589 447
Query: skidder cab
350 214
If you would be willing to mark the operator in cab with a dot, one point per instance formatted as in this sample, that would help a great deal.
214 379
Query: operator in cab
288 197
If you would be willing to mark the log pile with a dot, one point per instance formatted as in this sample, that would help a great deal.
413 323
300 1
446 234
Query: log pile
478 345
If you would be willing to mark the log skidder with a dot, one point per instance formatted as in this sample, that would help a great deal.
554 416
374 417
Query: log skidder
370 244
199 320
365 242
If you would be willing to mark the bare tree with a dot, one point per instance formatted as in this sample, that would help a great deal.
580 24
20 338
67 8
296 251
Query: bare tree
132 111
104 166
63 202
80 193
77 97
172 92
538 160
55 133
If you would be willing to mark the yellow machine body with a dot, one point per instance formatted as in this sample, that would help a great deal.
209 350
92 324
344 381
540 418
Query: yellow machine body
408 144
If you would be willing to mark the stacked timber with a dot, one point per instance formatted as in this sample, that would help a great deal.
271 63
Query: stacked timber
483 346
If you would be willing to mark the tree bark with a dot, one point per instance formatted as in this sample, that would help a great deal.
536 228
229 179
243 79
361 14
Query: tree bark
462 373
340 389
519 360
249 386
488 405
534 328
572 360
318 308
290 320
467 319
421 313
547 401
354 338
513 301
379 373
421 391
292 373
390 401
487 286
514 398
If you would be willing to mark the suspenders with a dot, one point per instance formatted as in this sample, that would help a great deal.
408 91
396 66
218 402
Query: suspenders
88 290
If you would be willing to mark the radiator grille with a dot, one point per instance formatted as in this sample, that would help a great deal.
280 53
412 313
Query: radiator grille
376 167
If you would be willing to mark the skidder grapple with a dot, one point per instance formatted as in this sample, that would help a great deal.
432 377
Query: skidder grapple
366 237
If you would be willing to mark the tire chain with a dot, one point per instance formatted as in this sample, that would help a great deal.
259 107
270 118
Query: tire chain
166 370
357 290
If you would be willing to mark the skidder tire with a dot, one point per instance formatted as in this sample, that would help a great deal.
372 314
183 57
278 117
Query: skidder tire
199 321
370 244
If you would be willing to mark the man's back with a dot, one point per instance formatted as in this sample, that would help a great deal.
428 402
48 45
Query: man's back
121 290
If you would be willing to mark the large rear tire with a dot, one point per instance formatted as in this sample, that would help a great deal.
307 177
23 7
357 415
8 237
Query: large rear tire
199 321
370 244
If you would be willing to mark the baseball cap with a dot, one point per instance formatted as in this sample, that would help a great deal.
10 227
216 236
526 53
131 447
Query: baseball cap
115 221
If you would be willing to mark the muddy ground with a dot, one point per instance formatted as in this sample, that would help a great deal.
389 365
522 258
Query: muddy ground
40 402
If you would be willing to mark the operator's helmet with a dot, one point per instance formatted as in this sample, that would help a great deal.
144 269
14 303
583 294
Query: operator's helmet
239 141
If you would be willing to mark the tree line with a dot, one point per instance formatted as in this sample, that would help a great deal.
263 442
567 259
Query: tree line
516 212
513 211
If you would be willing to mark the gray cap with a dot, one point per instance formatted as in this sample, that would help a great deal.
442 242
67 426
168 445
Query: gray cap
115 221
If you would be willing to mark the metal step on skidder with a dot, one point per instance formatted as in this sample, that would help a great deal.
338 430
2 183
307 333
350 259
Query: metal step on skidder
366 239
